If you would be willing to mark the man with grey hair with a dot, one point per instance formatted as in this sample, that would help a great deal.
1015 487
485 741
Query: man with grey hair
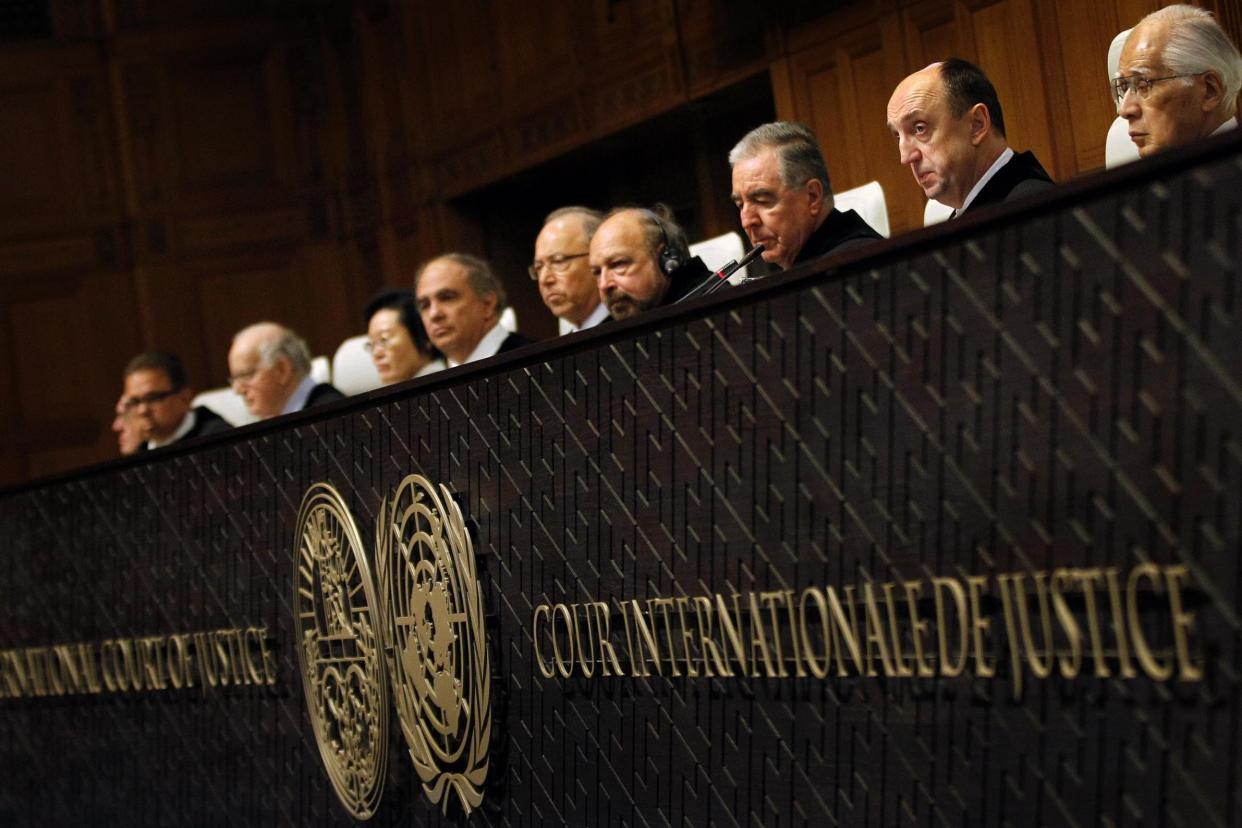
460 300
1177 80
270 367
784 198
562 271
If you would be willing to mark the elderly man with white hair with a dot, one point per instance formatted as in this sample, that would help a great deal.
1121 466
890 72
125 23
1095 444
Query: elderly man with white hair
1177 80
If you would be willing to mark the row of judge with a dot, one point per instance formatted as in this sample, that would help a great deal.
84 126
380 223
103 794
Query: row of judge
269 368
1178 81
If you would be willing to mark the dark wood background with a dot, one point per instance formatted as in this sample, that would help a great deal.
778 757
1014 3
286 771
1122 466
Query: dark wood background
175 169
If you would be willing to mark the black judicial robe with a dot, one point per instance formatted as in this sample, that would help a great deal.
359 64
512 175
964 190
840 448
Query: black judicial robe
322 394
1022 176
514 340
206 423
685 279
840 231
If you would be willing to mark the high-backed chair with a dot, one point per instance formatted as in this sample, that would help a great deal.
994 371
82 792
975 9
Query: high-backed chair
869 202
227 404
719 251
353 372
935 212
1118 148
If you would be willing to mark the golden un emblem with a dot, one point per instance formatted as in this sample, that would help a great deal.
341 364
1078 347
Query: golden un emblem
437 644
339 650
425 624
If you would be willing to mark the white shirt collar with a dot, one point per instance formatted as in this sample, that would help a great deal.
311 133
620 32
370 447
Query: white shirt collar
987 176
488 346
187 423
1232 123
598 315
297 400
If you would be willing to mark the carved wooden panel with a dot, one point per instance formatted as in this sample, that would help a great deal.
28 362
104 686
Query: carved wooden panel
841 90
457 51
720 41
69 337
57 163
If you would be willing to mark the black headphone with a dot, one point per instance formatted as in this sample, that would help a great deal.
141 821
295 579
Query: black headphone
669 258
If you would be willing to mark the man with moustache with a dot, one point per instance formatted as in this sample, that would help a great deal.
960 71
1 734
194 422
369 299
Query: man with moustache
641 260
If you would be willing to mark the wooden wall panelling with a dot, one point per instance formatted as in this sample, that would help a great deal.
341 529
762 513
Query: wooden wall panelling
1001 35
57 159
542 71
721 42
228 129
635 70
840 88
457 46
63 329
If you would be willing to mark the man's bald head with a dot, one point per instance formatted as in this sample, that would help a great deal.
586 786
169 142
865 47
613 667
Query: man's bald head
267 362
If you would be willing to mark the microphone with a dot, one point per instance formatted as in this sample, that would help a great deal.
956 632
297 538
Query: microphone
720 277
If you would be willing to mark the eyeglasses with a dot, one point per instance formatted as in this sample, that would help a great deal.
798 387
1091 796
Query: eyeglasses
380 343
1140 85
134 403
556 263
242 377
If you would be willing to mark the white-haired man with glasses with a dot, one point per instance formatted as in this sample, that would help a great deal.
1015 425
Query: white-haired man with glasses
1178 79
270 369
562 270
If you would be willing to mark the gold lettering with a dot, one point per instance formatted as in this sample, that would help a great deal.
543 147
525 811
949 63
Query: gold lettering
545 667
1182 623
794 638
1117 606
976 585
1146 658
206 664
918 628
1039 668
954 589
818 669
873 628
607 655
55 672
758 639
729 626
707 643
654 604
586 655
253 674
71 676
1015 644
686 635
564 663
1070 665
107 665
847 630
899 656
1088 579
646 635
265 653
771 601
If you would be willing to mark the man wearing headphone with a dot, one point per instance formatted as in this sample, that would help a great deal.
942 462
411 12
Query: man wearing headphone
641 260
